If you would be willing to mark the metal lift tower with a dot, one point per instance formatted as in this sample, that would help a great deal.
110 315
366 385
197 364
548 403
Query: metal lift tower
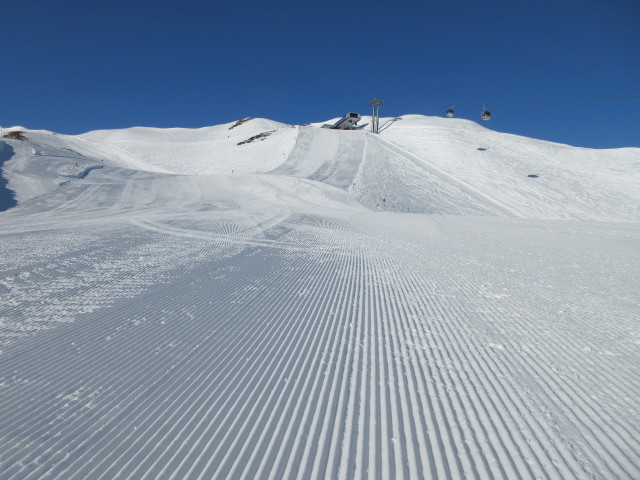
375 118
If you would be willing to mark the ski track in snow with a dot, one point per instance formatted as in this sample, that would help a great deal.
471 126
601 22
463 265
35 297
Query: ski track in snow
353 359
158 326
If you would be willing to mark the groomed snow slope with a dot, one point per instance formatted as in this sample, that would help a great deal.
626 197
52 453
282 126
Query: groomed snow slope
157 325
417 164
570 182
207 150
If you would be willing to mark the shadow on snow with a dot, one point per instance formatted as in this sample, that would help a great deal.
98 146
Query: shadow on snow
7 196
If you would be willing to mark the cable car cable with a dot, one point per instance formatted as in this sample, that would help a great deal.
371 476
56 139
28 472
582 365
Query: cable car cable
538 100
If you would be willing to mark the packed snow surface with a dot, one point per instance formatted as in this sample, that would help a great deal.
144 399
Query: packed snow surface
258 300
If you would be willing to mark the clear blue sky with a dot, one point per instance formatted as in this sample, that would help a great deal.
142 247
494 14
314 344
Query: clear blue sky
74 66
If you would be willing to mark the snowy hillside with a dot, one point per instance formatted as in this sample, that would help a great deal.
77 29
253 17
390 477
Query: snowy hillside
257 300
417 164
528 178
209 150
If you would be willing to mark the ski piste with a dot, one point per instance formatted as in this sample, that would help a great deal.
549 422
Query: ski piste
436 301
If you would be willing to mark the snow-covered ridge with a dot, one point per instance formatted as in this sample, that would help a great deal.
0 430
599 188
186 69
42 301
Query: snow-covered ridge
416 164
207 150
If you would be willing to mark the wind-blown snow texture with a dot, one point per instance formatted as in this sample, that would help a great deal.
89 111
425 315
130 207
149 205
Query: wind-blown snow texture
438 301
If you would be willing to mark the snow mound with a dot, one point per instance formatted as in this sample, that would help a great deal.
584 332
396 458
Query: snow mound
46 160
207 150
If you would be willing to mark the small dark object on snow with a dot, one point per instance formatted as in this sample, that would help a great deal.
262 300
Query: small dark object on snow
482 149
17 135
533 175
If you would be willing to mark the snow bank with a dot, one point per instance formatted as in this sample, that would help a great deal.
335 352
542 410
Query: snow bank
208 150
